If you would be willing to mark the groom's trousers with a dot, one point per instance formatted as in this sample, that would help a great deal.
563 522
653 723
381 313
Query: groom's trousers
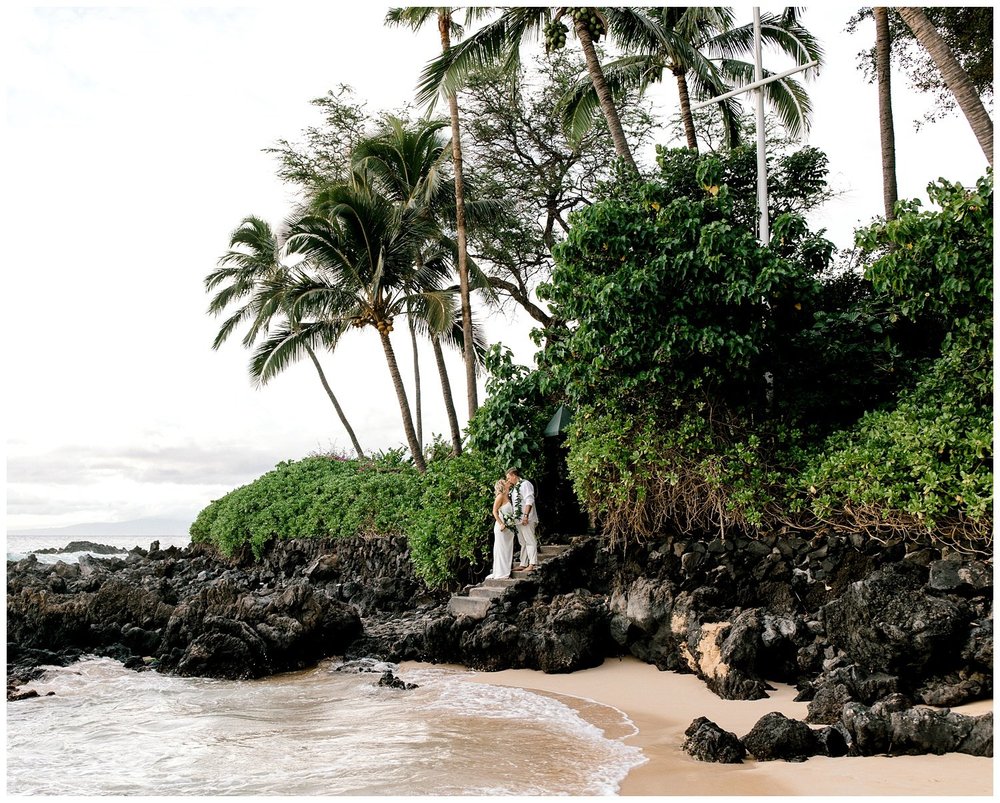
529 544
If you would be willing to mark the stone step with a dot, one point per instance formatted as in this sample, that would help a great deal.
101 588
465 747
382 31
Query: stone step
475 607
478 599
498 582
489 592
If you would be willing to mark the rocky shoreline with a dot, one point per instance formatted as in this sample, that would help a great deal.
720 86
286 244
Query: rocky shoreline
871 634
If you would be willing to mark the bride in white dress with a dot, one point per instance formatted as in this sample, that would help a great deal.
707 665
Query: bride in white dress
503 533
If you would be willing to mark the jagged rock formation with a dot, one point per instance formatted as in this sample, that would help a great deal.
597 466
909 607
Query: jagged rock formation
865 630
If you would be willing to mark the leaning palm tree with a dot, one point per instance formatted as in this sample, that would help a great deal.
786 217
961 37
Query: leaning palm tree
955 77
499 43
706 53
416 18
253 275
361 249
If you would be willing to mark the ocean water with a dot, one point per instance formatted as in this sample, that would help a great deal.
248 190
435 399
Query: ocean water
330 730
20 546
111 731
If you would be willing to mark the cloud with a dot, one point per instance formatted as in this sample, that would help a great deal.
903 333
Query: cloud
179 465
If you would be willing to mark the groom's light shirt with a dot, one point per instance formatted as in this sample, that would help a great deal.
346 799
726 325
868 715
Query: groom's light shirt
527 494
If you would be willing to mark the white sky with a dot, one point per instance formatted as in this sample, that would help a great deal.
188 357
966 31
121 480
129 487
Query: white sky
132 146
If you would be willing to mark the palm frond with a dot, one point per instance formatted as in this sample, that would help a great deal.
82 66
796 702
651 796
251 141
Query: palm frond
495 44
786 96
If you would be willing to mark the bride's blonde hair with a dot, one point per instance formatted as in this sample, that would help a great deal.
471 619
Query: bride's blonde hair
500 487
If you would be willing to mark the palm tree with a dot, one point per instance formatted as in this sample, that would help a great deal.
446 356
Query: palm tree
954 75
883 45
499 43
361 248
253 275
705 52
416 17
407 162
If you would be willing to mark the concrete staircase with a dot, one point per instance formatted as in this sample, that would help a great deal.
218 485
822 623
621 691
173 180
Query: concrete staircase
479 597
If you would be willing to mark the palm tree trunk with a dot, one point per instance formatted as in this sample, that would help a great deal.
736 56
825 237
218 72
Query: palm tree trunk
955 77
336 404
416 382
404 406
686 117
888 135
604 94
444 22
449 402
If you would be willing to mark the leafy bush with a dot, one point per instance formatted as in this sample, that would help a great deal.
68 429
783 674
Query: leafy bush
450 530
640 476
445 514
927 461
511 422
317 496
720 383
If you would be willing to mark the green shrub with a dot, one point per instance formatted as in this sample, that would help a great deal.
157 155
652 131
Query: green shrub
445 513
450 530
511 422
925 464
642 473
317 496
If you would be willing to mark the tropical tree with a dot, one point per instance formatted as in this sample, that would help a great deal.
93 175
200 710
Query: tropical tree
499 43
517 151
705 52
883 48
253 275
416 18
408 162
361 247
968 31
956 78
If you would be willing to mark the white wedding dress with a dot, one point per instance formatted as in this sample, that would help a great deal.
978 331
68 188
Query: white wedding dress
503 546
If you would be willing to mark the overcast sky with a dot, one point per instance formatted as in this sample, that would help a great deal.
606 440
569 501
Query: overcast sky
132 147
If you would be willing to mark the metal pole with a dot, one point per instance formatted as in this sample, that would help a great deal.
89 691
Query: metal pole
765 231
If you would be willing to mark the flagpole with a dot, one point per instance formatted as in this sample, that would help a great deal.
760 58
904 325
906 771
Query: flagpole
758 72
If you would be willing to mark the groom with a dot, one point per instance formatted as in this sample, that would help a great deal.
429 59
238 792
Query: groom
522 497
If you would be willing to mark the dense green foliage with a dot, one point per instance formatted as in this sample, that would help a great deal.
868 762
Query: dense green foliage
720 383
929 458
510 424
451 528
444 513
312 497
681 322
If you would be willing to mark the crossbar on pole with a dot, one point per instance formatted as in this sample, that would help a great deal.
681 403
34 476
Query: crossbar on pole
754 85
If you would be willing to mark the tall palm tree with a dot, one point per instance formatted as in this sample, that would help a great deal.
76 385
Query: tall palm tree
499 43
407 162
361 248
706 54
883 45
954 75
253 275
416 18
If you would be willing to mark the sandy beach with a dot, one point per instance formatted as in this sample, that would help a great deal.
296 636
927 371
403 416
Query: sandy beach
663 704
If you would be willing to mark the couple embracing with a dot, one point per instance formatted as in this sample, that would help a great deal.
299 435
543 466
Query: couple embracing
514 512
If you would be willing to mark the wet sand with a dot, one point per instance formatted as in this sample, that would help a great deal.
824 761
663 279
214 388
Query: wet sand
663 704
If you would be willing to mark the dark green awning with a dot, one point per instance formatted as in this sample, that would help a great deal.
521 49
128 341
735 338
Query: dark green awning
559 422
